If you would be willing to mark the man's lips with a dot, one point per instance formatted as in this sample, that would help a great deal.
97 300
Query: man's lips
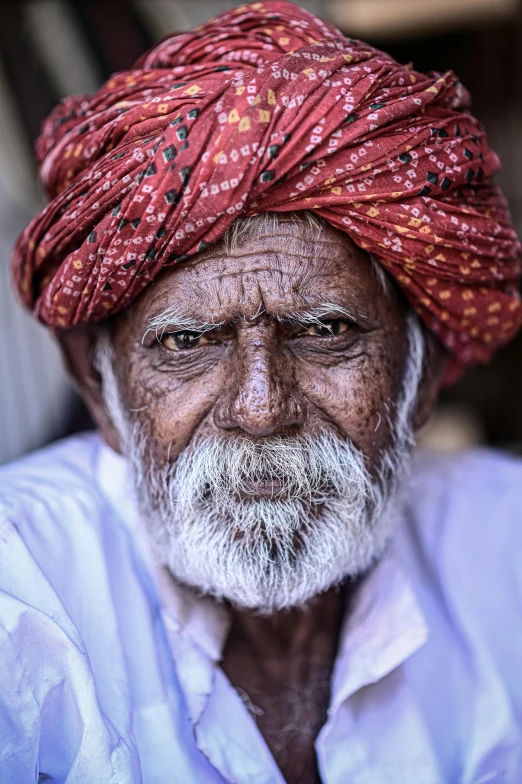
264 488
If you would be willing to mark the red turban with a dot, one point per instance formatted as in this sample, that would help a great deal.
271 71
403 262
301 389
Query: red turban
267 108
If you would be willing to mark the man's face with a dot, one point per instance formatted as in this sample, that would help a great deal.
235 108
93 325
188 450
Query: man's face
260 389
260 374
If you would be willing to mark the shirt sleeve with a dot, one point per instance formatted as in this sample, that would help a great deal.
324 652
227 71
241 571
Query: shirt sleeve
50 719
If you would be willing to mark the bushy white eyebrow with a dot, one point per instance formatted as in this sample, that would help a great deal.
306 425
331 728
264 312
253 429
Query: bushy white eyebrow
315 315
172 318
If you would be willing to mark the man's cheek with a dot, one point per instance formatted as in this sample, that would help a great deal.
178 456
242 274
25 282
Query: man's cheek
165 428
353 400
170 419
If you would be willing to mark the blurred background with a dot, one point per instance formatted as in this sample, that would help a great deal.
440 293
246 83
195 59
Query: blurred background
52 48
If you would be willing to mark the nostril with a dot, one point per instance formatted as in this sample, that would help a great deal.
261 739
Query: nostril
299 411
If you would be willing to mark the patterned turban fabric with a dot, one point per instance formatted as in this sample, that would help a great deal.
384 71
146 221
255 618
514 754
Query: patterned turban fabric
267 108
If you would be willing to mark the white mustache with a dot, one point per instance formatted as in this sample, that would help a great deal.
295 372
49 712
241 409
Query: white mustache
311 469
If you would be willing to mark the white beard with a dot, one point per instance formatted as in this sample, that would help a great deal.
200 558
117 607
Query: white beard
332 519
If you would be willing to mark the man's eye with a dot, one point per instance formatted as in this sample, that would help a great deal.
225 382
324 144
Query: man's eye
176 341
329 328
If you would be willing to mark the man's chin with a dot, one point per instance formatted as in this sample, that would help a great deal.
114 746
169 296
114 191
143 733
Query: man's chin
276 524
260 575
262 600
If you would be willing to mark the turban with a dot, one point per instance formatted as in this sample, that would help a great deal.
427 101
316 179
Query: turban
267 108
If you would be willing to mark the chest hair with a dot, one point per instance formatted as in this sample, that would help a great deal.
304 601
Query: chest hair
290 715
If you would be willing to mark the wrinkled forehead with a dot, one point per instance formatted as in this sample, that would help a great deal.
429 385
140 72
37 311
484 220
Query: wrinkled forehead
274 264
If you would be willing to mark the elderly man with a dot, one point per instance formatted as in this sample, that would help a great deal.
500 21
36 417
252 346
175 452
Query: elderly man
266 249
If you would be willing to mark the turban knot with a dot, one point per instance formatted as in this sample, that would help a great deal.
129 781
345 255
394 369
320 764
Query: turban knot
267 108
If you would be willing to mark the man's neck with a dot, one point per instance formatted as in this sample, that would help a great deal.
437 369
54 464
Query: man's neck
284 662
311 630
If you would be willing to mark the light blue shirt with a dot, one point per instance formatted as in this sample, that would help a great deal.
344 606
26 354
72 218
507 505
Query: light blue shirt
109 672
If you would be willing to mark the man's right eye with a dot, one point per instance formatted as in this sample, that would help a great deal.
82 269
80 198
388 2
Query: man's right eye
179 341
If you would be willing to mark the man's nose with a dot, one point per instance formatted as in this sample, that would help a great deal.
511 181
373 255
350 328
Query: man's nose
261 397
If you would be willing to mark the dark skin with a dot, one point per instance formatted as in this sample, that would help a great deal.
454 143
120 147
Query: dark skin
256 375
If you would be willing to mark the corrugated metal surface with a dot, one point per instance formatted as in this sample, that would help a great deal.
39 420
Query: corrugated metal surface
35 397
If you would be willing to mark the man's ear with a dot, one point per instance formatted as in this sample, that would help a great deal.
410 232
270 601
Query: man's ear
435 363
78 353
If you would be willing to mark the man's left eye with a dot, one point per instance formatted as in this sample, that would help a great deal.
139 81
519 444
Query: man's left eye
329 328
180 341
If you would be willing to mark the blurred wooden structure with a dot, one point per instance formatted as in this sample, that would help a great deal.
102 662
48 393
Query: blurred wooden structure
399 19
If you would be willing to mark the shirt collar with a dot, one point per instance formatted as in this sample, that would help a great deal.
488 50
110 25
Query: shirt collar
383 628
202 618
